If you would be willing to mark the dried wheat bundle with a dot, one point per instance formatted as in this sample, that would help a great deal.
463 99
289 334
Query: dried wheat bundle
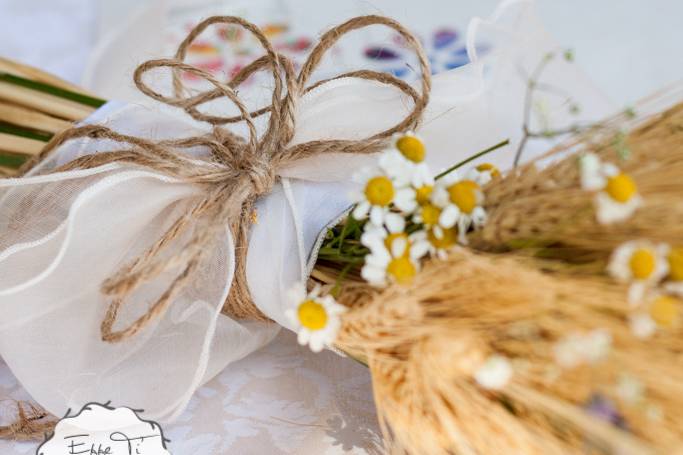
425 345
544 211
499 353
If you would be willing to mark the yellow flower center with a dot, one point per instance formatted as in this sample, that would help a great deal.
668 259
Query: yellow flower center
493 170
447 240
422 194
430 214
393 237
379 191
664 311
464 195
676 264
642 263
621 187
312 315
402 269
412 148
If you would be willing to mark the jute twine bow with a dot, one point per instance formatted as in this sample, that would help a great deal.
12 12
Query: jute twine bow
239 171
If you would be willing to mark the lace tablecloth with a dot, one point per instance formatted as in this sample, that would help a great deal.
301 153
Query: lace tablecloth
282 399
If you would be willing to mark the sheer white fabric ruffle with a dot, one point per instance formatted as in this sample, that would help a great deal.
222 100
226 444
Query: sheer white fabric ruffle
62 234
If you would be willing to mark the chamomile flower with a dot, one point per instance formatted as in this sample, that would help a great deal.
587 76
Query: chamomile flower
316 318
376 198
665 310
412 149
460 201
487 172
641 263
413 199
384 238
440 241
495 373
617 195
394 258
580 348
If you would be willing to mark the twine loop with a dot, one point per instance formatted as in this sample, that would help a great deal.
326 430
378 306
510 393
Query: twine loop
239 169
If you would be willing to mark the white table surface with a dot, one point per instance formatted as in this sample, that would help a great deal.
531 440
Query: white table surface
283 399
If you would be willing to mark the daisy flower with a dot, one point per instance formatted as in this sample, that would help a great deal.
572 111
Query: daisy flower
579 348
665 310
316 318
617 195
375 237
487 172
412 150
641 263
394 258
460 201
495 373
439 241
412 200
376 198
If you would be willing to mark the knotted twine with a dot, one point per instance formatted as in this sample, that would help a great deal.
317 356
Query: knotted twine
239 171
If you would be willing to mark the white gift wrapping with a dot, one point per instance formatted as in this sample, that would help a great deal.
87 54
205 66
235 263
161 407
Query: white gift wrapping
63 233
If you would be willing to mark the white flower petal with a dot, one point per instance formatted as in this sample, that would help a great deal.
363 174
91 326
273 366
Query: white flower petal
303 336
398 247
636 293
373 274
479 217
377 215
405 200
419 249
316 344
449 216
440 196
592 178
609 211
361 210
395 223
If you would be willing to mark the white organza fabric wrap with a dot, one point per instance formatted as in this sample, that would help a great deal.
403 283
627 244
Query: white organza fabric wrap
62 234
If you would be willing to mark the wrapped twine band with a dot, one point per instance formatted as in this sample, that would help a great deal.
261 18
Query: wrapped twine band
239 171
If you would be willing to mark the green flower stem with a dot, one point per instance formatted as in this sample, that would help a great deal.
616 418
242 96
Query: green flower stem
51 90
472 158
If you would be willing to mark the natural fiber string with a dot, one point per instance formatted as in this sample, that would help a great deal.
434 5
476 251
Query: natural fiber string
240 170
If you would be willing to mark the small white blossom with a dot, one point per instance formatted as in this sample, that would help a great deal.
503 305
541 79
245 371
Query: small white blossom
495 373
641 263
616 196
461 202
392 258
315 318
579 348
630 390
642 325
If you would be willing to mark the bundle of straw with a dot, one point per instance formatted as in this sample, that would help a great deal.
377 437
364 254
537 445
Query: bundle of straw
537 280
34 106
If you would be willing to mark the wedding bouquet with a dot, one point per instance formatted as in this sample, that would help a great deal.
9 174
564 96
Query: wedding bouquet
527 309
